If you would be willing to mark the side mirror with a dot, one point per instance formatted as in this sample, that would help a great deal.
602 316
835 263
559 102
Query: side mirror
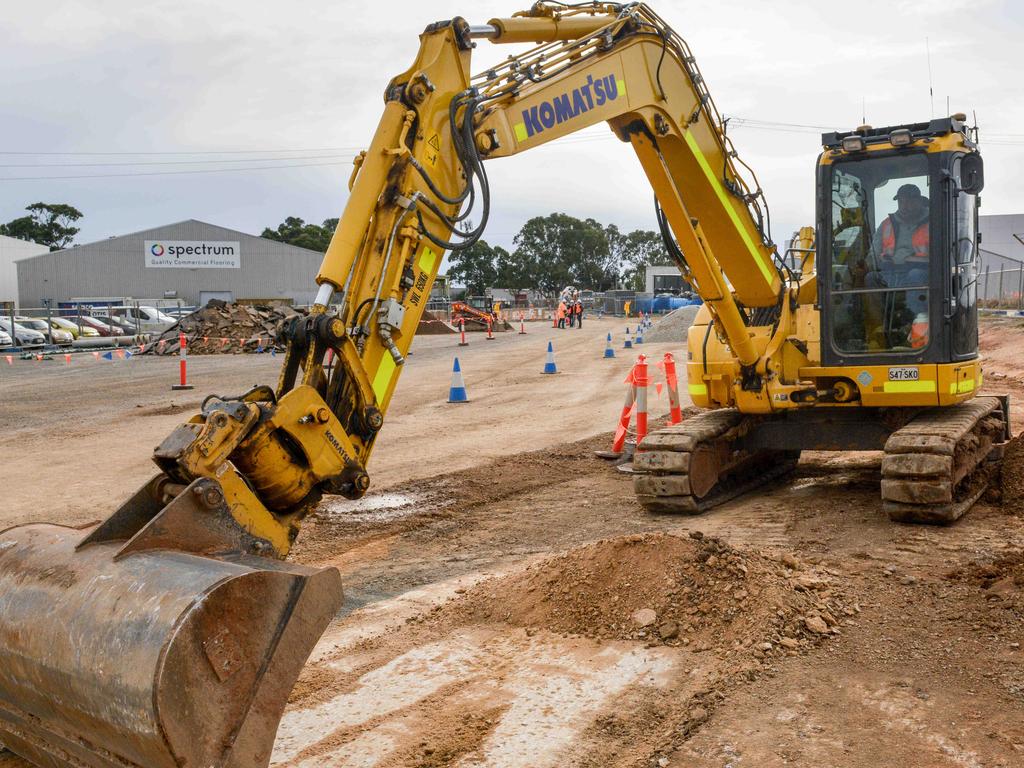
972 173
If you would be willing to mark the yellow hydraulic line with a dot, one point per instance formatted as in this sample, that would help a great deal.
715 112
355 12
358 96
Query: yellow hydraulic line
705 268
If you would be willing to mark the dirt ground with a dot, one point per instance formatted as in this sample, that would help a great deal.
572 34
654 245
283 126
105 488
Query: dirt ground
509 604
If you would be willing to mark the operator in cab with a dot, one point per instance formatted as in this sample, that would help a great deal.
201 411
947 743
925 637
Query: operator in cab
901 242
901 245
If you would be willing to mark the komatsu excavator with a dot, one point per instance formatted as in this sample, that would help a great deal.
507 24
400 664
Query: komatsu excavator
170 634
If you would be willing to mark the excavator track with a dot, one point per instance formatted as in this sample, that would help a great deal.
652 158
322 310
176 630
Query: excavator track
940 463
691 467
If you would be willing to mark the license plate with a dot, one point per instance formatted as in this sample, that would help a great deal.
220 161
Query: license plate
908 373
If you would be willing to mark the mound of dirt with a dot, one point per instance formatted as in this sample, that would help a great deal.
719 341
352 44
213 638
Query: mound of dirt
1004 574
1013 476
432 325
673 326
662 588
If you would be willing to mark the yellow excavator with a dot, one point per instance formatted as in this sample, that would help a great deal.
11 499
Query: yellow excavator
170 634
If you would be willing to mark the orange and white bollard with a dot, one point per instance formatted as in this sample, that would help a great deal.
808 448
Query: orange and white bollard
522 325
182 363
462 332
675 413
641 380
490 336
619 441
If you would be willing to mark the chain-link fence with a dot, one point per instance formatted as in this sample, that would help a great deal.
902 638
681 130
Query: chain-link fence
1002 287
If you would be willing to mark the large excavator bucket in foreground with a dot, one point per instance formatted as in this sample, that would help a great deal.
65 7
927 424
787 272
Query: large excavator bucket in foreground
154 658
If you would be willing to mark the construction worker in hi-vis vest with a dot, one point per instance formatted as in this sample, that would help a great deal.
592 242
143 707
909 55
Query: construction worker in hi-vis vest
901 241
901 246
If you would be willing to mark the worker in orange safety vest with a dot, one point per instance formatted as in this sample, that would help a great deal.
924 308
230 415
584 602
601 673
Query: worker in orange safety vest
901 245
901 241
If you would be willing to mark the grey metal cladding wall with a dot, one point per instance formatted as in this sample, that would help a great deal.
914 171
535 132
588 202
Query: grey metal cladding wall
117 267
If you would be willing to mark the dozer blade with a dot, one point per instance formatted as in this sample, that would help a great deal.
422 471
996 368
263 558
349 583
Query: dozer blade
155 658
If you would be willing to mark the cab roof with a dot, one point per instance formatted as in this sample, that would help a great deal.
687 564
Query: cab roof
942 126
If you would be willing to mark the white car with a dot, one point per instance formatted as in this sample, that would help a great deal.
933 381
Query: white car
23 337
5 340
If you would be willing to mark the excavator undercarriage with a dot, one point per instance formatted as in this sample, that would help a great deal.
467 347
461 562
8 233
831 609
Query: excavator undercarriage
937 461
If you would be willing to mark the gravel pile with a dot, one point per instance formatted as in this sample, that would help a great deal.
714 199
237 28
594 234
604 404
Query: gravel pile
673 326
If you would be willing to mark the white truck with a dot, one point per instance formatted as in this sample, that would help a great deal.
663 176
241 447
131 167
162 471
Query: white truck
147 319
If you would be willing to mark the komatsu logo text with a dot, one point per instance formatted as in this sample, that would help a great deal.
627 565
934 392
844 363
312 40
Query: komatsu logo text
592 94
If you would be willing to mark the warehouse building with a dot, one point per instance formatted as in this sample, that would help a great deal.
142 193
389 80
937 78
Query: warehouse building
190 262
11 250
1002 240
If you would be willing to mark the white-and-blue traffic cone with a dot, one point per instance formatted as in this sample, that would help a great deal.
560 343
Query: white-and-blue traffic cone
639 335
457 391
608 351
549 366
628 343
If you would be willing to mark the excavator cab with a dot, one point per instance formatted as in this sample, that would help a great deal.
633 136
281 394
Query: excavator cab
897 257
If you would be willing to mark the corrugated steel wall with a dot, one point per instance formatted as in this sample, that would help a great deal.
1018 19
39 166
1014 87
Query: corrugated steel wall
117 267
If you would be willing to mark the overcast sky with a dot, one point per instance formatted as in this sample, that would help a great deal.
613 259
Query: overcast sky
301 84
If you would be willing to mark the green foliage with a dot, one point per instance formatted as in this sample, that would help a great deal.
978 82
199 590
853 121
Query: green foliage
297 232
475 267
558 250
550 252
633 252
48 224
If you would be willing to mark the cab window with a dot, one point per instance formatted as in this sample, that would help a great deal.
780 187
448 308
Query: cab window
880 255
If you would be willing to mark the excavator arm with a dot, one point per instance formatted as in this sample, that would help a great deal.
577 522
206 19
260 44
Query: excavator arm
175 629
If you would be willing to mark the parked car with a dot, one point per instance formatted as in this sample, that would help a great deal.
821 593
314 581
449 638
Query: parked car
23 337
72 327
142 318
5 340
59 335
99 326
177 313
120 324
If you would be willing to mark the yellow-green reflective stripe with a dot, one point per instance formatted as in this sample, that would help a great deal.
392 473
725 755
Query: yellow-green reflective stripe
520 129
716 184
967 385
621 85
383 377
698 389
911 386
427 260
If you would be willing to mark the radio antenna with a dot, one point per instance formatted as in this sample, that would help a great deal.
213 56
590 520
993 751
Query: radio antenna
931 92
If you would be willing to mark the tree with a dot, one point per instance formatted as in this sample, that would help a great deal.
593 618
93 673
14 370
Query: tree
558 250
297 232
474 267
48 224
633 252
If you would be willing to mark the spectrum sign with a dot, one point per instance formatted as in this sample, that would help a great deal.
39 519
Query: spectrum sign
193 254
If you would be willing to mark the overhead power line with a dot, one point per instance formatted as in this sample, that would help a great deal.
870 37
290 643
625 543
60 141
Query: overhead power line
172 173
174 162
183 152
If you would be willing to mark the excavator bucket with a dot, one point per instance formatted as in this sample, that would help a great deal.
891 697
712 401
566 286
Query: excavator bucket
114 654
